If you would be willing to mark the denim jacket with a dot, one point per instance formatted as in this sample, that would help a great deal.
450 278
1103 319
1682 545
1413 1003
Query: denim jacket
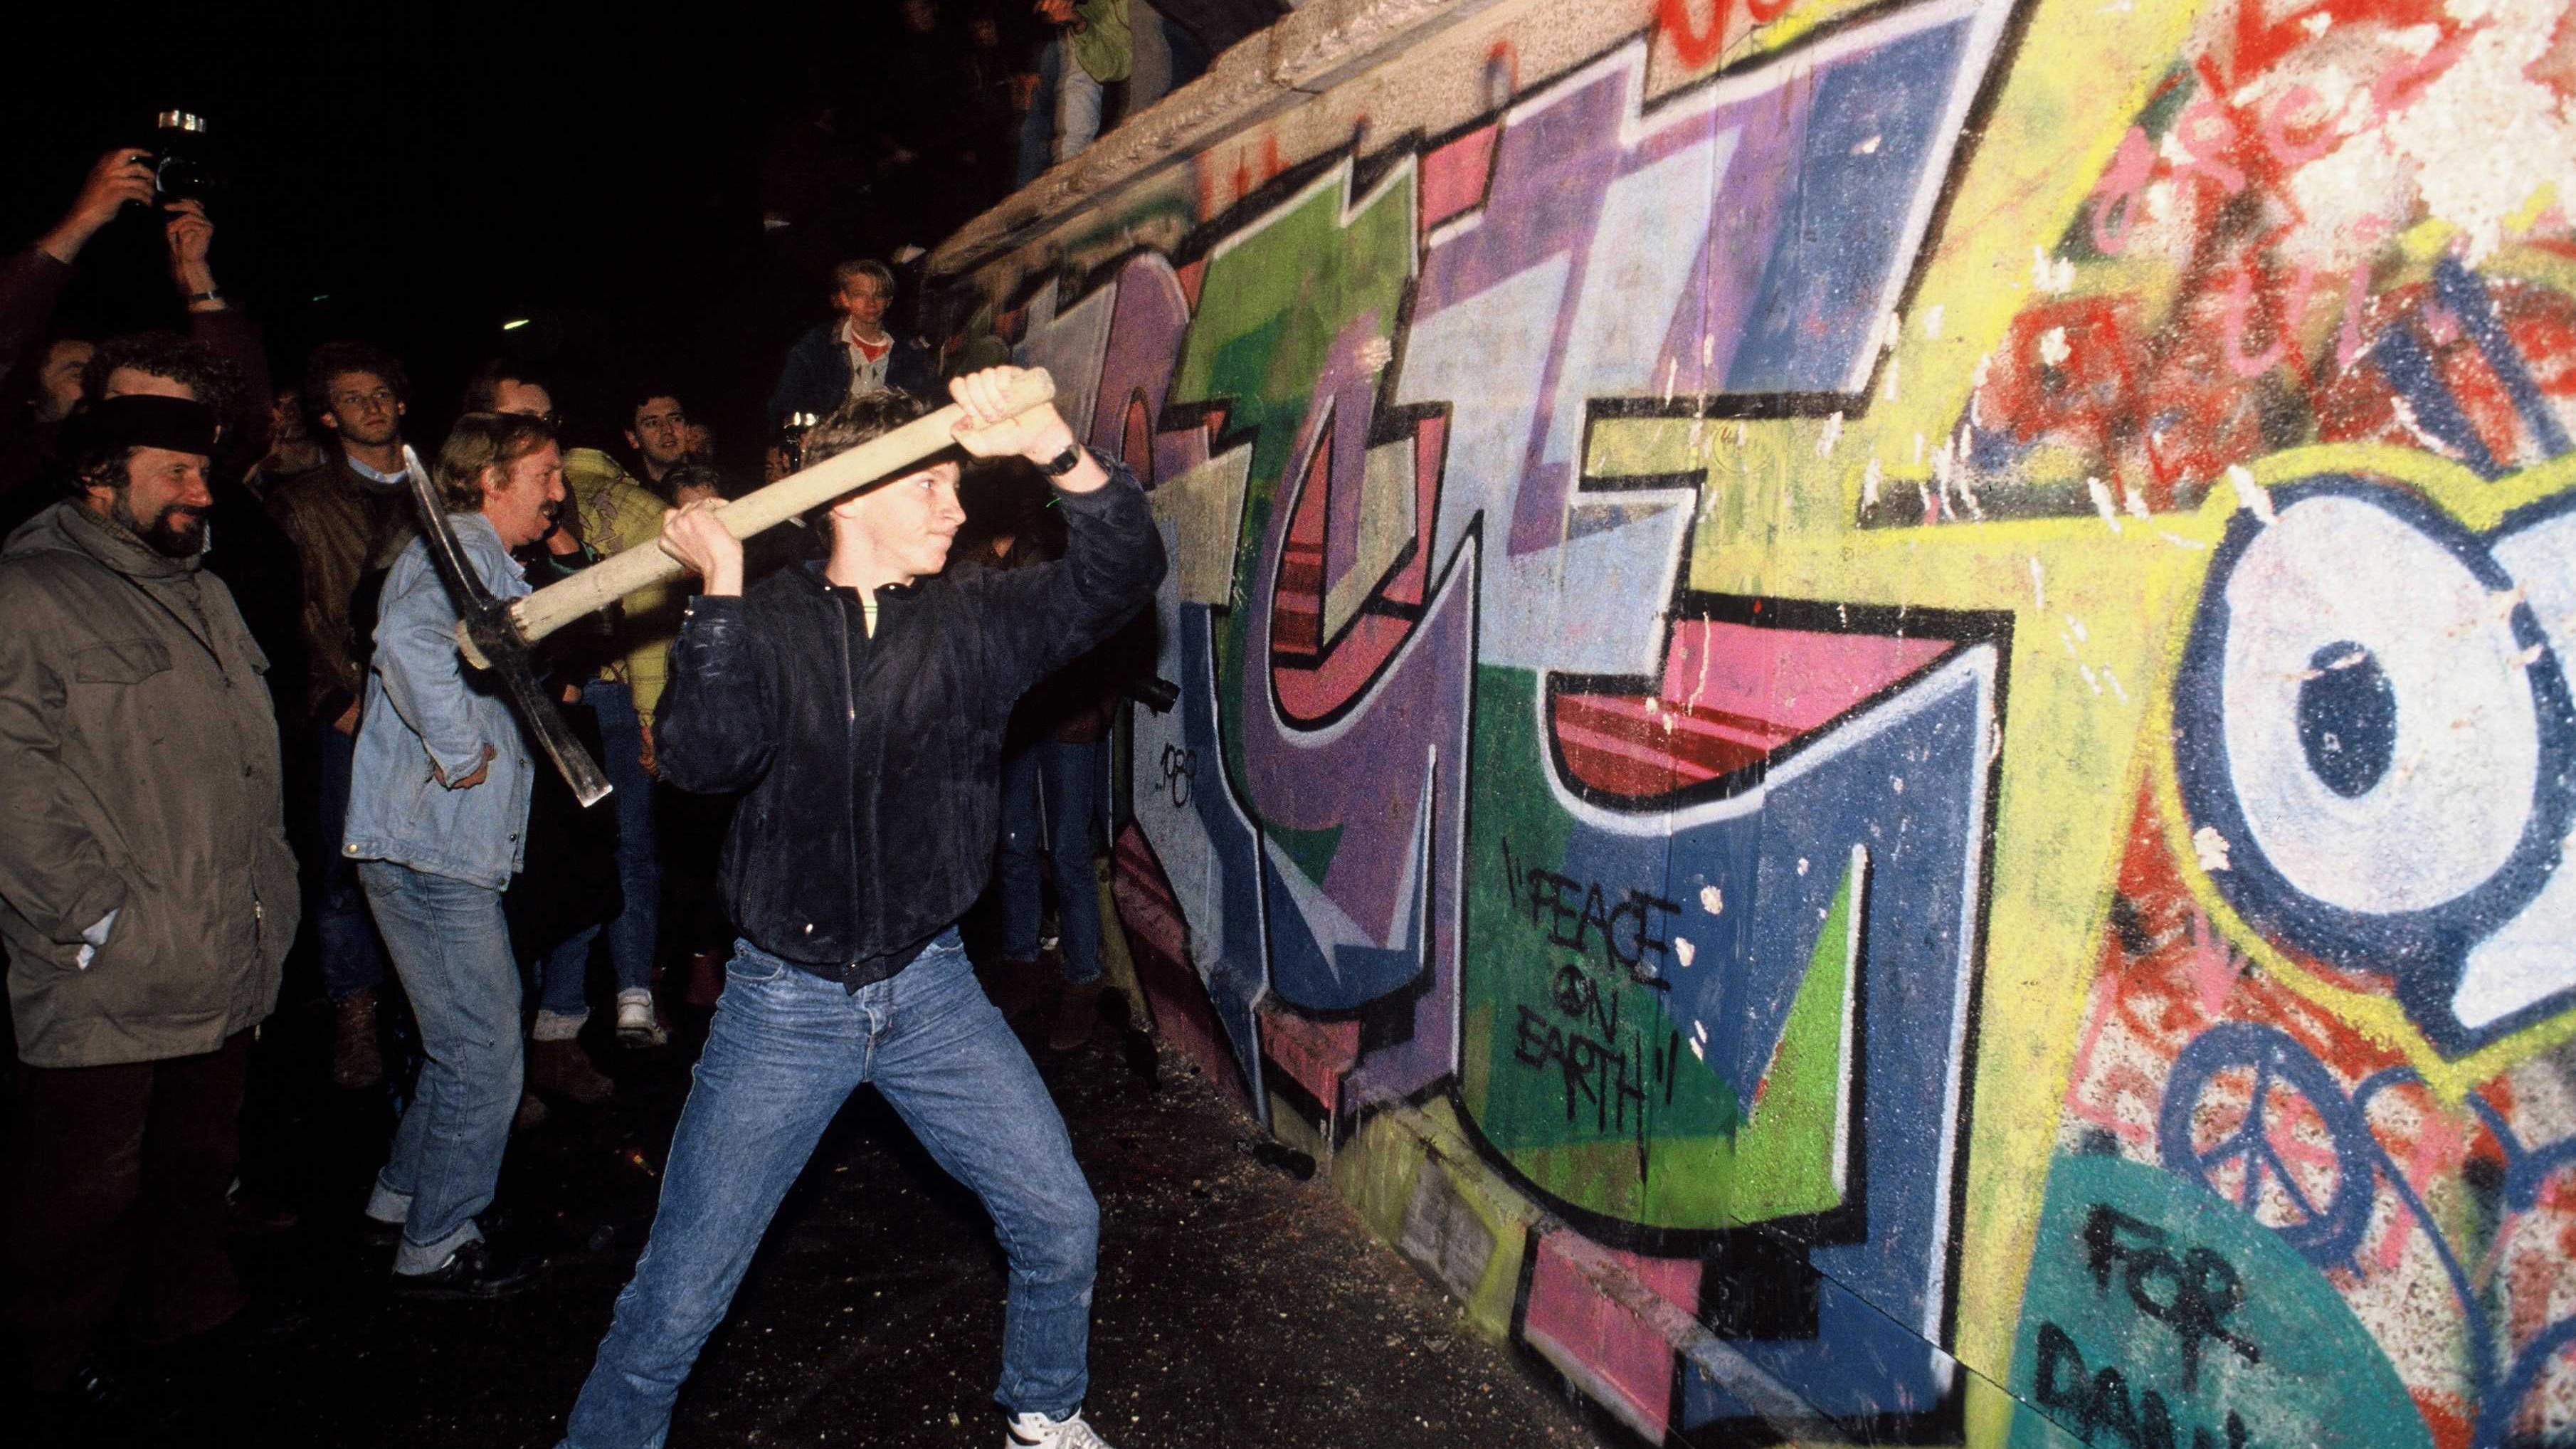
425 704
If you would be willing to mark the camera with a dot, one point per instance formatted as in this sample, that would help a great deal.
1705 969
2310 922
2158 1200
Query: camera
178 170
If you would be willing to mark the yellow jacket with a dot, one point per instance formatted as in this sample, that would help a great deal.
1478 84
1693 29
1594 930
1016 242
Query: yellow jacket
618 513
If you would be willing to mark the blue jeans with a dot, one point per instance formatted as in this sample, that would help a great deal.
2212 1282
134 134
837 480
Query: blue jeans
634 931
451 948
785 1050
1078 103
1069 777
352 959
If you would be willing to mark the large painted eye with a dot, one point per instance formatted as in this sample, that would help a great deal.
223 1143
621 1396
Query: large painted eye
2377 753
2381 736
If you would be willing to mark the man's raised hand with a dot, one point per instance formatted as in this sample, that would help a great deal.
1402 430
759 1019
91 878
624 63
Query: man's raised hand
190 233
120 176
1040 435
704 546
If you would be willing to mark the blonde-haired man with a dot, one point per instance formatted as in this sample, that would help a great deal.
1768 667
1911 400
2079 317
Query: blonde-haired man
438 809
858 701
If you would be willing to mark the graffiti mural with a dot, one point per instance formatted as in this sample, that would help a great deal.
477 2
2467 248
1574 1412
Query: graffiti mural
2370 842
1873 723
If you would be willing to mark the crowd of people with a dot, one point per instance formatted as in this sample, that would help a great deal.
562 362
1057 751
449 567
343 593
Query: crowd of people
243 758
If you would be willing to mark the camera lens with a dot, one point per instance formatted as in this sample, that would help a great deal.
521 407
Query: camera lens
178 179
179 174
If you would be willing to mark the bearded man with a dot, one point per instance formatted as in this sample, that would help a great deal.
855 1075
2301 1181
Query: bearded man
149 894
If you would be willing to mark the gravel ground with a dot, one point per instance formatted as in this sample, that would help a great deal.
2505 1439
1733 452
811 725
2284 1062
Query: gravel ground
1237 1305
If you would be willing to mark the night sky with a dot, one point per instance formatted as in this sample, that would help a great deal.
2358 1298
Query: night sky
416 174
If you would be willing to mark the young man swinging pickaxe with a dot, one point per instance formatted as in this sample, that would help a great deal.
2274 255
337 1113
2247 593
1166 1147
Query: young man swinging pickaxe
859 703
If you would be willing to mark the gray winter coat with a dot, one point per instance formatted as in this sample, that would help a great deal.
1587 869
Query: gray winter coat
138 774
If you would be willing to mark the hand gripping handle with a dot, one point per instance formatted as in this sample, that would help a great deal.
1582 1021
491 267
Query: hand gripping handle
645 564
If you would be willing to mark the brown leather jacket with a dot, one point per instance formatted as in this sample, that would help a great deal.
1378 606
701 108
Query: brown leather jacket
339 524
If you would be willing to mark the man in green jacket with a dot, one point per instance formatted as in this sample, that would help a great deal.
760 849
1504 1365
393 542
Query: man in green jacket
147 894
1094 50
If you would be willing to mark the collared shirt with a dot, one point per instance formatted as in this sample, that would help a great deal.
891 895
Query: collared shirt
867 374
390 480
619 513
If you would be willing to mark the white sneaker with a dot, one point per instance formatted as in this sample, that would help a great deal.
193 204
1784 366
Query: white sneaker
637 1023
1037 1431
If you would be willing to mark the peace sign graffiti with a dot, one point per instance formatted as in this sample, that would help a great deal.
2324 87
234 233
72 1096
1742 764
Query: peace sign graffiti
2327 1231
2324 1223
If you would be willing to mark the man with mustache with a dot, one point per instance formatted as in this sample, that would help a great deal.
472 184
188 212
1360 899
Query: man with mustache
150 895
438 812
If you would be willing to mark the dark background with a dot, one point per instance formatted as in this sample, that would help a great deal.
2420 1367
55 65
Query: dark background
416 174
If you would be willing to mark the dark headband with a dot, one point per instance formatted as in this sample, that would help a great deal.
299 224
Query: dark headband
144 421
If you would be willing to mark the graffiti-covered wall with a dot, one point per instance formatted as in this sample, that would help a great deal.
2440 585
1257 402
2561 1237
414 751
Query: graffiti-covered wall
1874 725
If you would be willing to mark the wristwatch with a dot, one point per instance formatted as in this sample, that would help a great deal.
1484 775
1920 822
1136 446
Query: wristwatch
1064 462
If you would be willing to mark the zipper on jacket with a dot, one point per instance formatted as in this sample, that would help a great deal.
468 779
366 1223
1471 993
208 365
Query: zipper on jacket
850 716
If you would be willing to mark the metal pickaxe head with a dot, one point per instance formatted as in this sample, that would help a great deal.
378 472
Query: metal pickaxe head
491 640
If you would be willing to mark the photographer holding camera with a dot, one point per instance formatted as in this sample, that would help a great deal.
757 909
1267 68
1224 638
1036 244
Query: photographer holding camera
32 285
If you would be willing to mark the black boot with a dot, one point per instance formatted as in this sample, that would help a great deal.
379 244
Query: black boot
477 1270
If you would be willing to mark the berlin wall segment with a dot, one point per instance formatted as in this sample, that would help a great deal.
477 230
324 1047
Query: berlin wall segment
1873 717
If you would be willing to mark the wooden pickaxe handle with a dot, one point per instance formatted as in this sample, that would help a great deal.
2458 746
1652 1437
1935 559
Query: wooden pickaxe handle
644 565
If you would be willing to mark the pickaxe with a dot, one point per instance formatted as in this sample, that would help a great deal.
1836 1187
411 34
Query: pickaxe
501 637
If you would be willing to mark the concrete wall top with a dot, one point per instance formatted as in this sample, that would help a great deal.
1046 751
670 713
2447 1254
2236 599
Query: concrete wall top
1315 48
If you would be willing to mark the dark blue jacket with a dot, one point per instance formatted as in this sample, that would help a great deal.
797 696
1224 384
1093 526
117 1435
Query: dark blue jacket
871 767
816 378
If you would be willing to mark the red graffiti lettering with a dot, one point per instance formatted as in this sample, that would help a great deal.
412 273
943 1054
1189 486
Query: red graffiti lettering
2282 114
2208 135
1694 44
